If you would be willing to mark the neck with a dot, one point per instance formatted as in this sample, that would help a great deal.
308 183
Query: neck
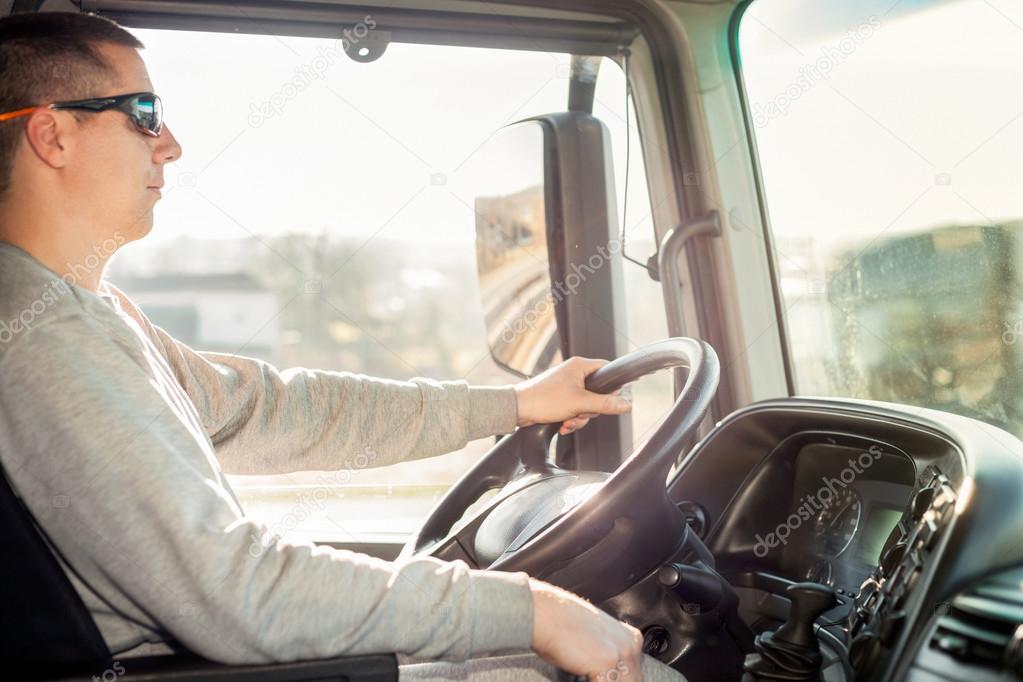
61 245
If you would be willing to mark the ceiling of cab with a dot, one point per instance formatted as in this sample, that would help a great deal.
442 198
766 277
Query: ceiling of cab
452 22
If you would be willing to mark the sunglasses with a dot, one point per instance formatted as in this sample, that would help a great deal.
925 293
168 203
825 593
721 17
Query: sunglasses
144 109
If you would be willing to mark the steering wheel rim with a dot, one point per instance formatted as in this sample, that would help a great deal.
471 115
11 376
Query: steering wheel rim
592 535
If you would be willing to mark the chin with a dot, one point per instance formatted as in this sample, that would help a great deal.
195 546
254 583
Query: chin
140 228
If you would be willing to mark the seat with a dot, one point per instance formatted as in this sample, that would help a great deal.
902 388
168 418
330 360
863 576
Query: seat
46 633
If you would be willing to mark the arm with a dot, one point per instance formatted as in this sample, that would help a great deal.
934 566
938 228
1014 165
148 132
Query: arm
265 421
149 525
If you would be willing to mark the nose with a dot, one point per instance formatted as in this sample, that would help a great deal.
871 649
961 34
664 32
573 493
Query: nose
166 149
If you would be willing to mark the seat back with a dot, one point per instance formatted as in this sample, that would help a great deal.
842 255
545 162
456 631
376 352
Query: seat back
47 633
45 628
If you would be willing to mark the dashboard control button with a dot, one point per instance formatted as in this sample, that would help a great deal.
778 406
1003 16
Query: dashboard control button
892 582
930 535
945 498
922 502
867 591
868 586
669 575
892 557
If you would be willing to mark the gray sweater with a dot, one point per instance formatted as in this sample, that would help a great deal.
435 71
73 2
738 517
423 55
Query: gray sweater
117 438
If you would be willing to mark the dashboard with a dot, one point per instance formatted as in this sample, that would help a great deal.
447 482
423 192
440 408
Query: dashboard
849 494
914 518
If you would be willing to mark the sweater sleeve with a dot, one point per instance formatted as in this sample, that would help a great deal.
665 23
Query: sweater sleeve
112 462
263 420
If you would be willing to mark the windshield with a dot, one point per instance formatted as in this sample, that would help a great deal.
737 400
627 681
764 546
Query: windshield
889 138
324 214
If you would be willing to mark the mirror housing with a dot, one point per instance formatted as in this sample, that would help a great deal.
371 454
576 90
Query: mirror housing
547 246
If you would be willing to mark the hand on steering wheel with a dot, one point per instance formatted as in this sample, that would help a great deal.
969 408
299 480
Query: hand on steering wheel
560 395
590 532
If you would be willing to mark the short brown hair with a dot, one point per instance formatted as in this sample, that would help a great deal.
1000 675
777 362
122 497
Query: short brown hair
47 57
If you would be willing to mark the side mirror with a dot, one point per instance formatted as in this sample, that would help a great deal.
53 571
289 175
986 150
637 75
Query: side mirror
513 210
546 242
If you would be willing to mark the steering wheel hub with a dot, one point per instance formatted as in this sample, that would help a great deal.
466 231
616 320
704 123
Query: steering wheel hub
521 516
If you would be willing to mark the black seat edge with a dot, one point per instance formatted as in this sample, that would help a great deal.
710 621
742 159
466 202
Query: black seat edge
47 633
43 624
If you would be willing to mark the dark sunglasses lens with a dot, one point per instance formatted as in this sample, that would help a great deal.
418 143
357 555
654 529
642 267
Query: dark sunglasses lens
147 110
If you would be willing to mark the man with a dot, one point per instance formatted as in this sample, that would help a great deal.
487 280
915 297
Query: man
117 436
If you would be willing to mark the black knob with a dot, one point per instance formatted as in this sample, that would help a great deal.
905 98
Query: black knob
695 587
792 652
892 558
922 502
809 601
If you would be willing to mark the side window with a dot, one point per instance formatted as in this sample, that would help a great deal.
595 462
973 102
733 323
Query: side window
322 218
889 137
644 311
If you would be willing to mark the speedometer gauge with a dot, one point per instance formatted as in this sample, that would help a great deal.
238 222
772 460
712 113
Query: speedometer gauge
837 523
820 572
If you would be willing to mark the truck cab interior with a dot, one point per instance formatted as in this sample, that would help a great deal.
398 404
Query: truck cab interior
791 225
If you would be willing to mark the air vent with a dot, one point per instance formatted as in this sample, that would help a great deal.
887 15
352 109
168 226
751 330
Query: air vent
984 626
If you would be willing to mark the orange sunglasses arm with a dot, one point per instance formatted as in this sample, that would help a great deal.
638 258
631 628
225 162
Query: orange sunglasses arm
18 112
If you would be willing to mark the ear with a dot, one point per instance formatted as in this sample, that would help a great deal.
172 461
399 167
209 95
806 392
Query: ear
47 135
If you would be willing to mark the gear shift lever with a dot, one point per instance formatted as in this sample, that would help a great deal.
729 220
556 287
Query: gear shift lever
792 652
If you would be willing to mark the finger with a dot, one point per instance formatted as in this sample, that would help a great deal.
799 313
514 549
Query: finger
633 671
578 423
636 670
625 671
589 365
637 656
606 404
572 425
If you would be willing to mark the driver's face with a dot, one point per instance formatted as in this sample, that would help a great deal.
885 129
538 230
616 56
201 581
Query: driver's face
117 170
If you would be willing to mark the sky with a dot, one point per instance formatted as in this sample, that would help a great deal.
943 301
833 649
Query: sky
919 122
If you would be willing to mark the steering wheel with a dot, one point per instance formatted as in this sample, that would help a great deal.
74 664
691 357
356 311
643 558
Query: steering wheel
588 531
